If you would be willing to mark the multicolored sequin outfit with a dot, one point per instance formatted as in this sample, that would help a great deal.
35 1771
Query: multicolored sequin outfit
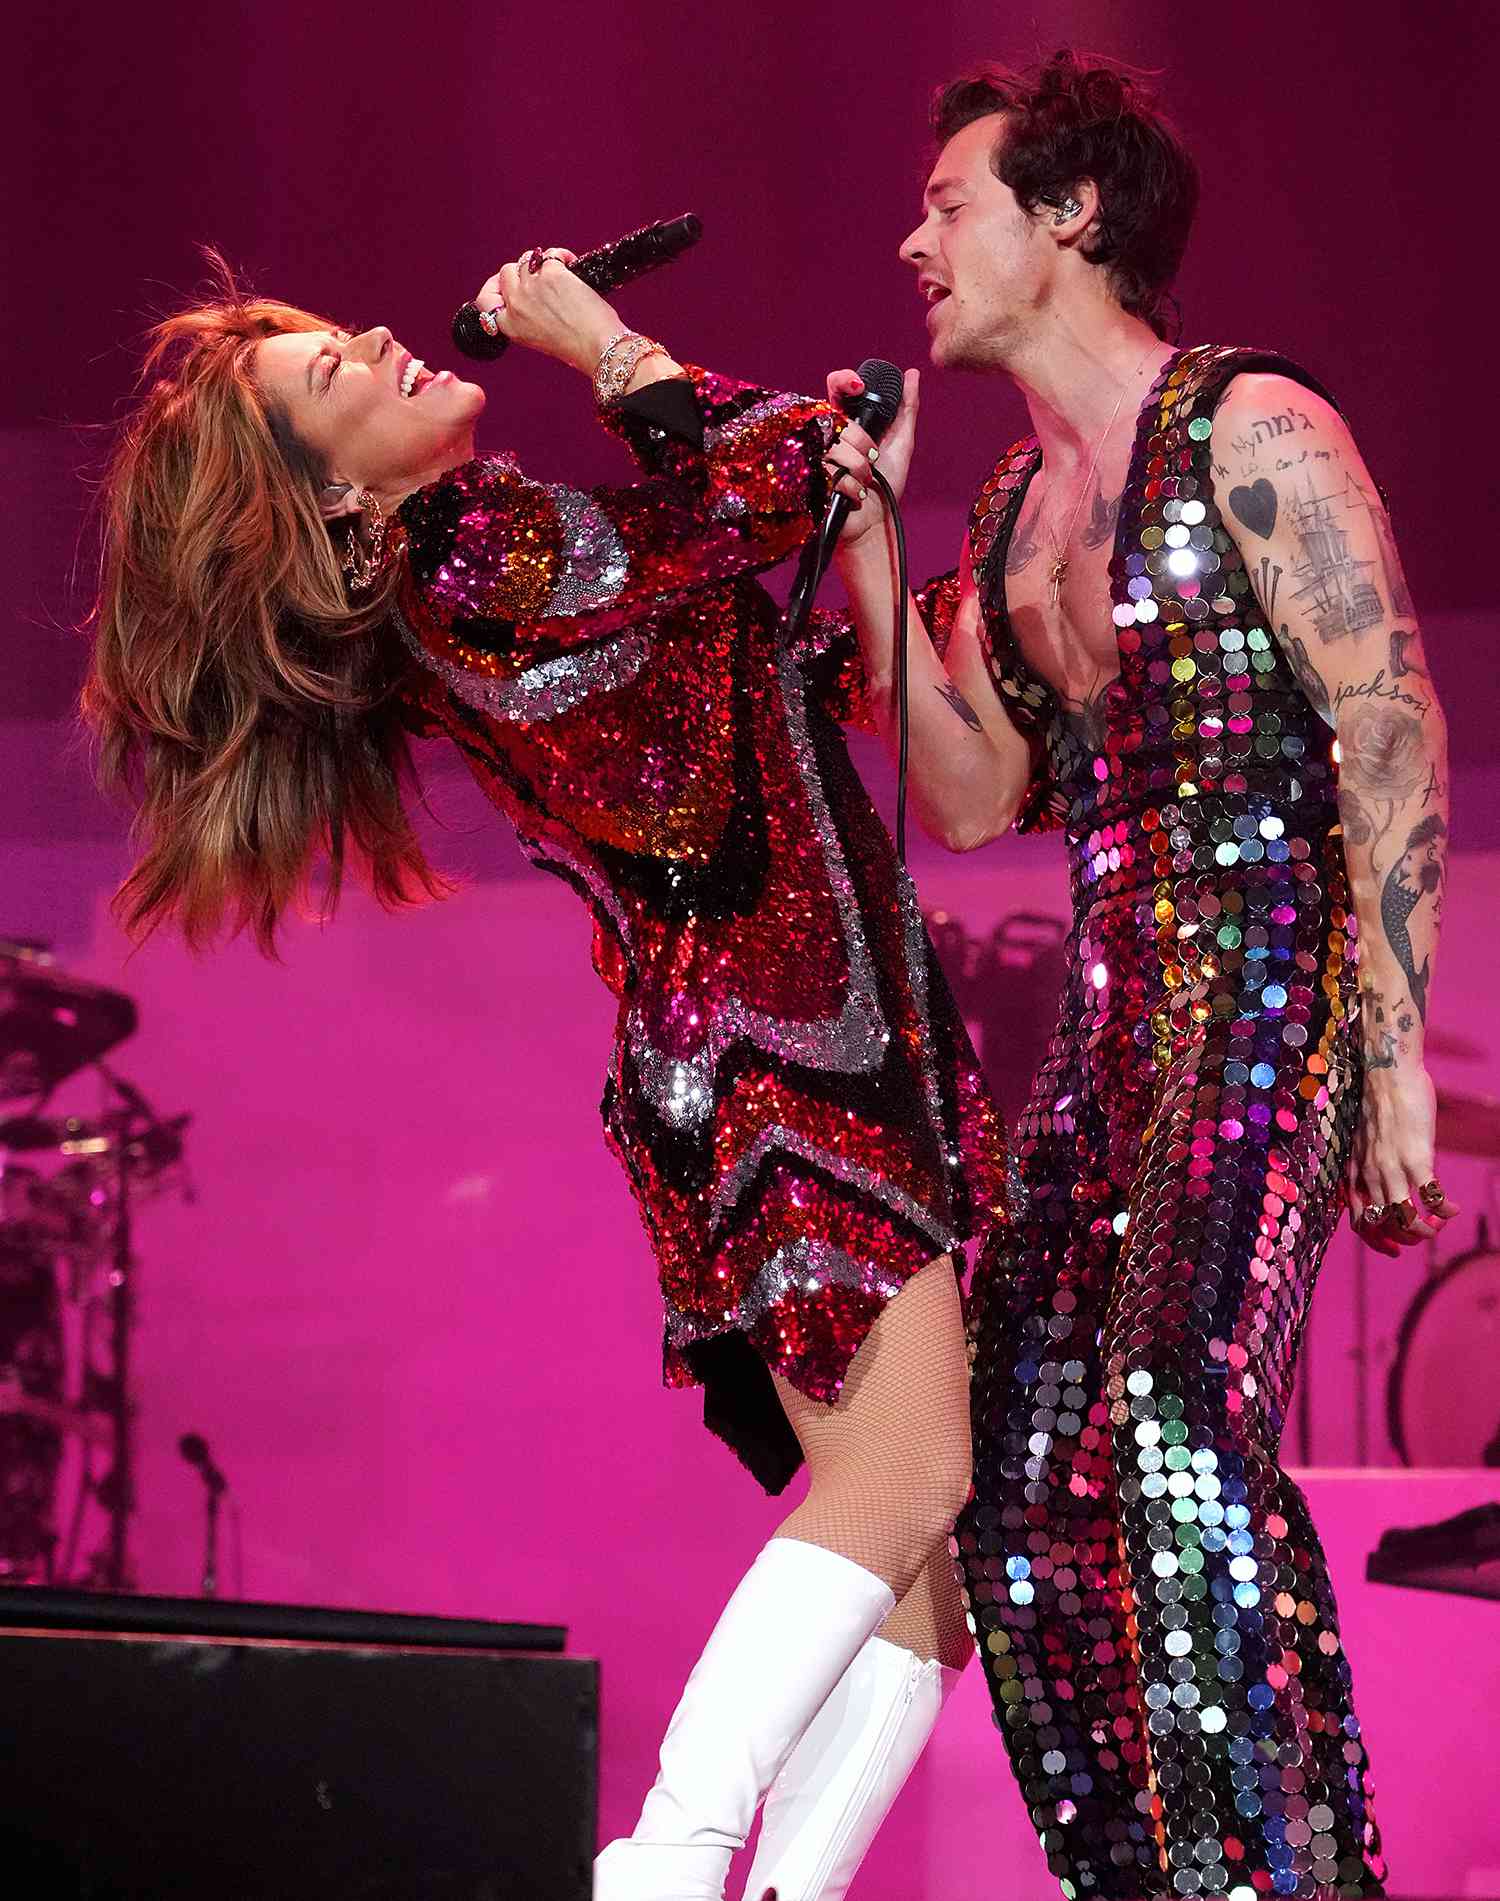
1151 1605
792 1091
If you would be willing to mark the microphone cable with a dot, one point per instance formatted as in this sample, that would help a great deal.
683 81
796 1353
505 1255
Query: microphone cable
799 612
903 657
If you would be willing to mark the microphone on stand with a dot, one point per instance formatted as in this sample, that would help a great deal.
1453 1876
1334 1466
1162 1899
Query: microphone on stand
603 270
194 1448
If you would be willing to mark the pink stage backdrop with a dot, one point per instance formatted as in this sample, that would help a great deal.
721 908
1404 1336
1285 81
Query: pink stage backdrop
411 1307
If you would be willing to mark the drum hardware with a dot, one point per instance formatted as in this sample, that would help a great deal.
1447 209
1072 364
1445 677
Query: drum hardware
51 1025
1459 1554
1443 1394
1008 985
66 1237
17 1403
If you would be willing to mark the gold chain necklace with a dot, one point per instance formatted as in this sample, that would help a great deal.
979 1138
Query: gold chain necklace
1058 572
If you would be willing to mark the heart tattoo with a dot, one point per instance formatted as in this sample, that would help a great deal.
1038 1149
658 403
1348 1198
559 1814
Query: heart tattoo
1256 507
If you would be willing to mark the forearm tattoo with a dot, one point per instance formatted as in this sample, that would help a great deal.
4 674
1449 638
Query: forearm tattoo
1416 876
1387 1027
948 691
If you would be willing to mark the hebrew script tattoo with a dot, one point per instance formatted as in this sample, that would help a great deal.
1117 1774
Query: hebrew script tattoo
1267 429
961 706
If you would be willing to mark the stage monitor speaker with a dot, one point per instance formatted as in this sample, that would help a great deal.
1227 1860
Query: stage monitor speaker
145 1766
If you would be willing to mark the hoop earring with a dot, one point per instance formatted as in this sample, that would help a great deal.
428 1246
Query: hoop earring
1069 208
362 567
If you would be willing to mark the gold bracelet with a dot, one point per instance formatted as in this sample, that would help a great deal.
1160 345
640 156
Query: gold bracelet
621 357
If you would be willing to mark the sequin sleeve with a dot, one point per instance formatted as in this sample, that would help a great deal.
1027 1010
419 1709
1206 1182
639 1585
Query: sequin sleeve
834 666
760 451
528 567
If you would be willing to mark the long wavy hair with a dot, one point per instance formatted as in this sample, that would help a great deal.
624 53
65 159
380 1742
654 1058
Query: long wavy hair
236 693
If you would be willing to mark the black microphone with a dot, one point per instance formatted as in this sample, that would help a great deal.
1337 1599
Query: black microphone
603 270
194 1448
874 411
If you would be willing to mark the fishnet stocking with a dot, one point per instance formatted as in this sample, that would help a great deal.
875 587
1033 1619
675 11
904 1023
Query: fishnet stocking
930 1621
888 1464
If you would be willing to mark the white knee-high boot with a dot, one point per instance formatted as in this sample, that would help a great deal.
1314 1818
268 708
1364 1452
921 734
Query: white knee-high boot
826 1807
784 1640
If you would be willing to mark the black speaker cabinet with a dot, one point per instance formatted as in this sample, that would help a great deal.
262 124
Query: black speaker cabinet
162 1750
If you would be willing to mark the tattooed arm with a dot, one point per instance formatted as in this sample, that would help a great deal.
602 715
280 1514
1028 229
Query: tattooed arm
1310 523
969 767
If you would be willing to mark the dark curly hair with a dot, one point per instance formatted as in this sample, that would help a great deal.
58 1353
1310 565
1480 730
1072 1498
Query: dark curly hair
1071 119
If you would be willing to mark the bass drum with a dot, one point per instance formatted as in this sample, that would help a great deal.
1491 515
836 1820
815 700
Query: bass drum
1443 1400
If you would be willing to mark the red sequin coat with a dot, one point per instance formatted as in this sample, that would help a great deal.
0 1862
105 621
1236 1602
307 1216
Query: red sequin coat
791 1090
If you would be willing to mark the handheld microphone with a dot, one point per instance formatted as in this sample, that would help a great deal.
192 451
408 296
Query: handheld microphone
194 1448
874 411
603 270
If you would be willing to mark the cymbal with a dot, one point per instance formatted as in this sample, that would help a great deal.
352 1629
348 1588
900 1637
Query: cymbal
51 1025
72 1135
1468 1125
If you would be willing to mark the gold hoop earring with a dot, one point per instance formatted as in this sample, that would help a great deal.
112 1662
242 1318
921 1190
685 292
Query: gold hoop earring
363 566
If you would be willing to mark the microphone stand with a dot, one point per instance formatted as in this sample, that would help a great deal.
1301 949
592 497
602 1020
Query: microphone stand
211 1542
194 1448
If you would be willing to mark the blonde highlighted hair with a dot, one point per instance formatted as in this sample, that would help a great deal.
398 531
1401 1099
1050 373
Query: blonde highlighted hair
235 692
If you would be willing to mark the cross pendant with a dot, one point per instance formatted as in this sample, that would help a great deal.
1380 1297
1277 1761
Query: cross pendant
1057 575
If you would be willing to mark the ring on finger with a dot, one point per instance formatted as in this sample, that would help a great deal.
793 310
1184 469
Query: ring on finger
536 257
1405 1214
1432 1194
489 322
1374 1214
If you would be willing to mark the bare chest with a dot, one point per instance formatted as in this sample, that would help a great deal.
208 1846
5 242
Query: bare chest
1057 597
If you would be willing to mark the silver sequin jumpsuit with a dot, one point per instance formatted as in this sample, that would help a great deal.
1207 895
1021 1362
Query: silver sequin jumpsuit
1150 1601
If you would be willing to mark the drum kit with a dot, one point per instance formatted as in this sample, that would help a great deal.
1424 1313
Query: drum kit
68 1186
1443 1393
